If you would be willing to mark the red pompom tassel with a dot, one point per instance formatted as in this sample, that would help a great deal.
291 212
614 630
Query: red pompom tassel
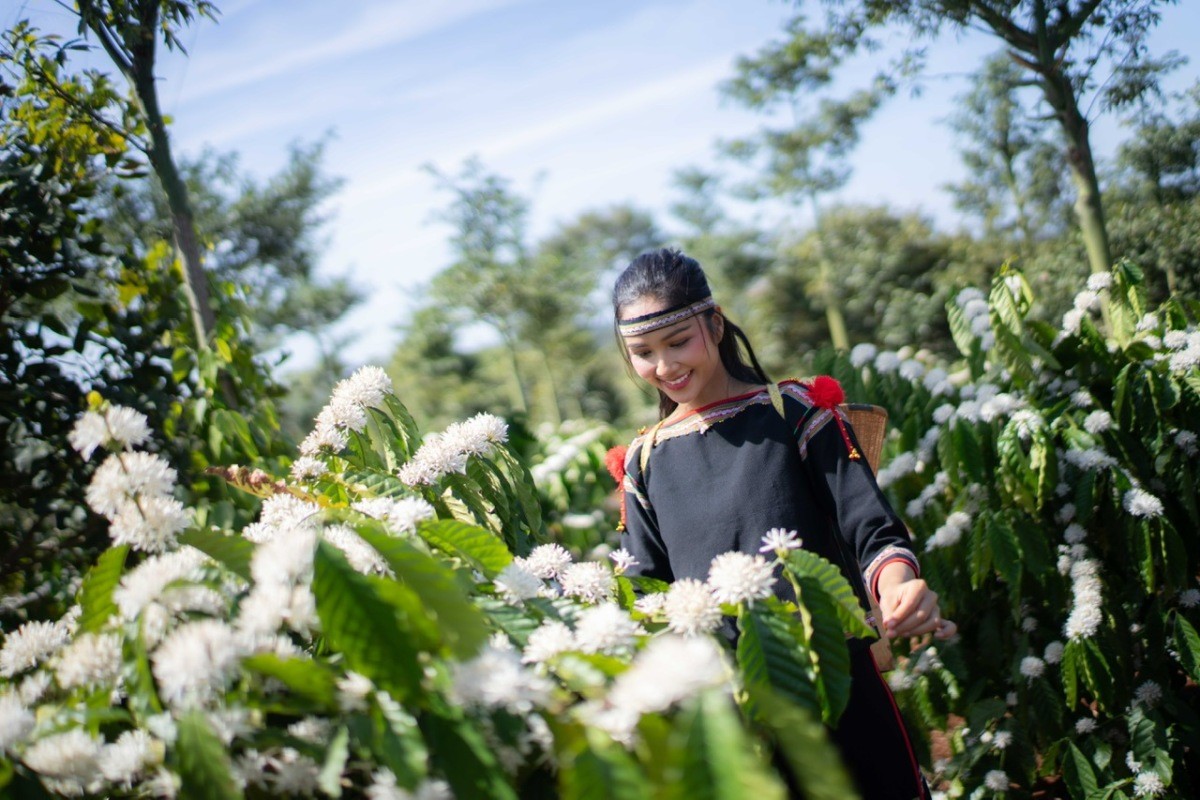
826 392
614 459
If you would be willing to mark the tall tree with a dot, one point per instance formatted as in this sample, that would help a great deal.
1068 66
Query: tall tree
487 278
1079 54
802 162
263 236
1016 174
129 32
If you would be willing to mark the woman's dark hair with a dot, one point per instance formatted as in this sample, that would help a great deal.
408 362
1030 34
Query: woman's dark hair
672 279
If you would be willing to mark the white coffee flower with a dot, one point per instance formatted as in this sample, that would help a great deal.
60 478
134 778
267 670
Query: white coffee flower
1090 459
353 690
996 780
91 660
1098 422
1148 784
343 414
1074 534
862 354
1148 694
16 721
1087 300
89 433
361 556
308 468
123 476
1053 653
1072 321
1187 442
887 361
691 608
129 756
590 581
736 578
497 679
1141 503
778 539
368 387
1099 281
149 524
68 762
651 604
622 560
324 438
1032 667
195 662
549 640
606 628
1189 598
1085 726
30 644
547 561
1002 740
516 583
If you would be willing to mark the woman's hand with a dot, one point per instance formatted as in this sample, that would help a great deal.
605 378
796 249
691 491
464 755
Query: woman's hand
909 606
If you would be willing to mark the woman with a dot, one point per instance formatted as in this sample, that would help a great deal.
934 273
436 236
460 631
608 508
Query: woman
731 459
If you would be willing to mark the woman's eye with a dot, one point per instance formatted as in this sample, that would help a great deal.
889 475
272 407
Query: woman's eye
680 343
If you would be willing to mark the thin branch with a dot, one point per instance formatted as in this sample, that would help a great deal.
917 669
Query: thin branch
1072 25
95 117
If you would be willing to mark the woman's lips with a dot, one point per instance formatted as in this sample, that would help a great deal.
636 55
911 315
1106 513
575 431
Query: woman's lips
677 384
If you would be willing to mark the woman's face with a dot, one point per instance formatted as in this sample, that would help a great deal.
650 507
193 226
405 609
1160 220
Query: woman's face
680 359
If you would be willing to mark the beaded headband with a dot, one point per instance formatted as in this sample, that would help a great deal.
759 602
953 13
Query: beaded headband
636 326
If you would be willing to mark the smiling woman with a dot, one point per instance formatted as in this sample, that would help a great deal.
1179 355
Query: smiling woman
735 457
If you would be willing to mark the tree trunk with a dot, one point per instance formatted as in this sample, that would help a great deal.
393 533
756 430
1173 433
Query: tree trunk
555 400
1089 208
833 305
187 243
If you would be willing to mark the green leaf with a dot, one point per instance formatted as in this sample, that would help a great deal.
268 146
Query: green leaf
979 548
828 649
805 564
770 656
330 778
467 492
481 549
463 756
374 483
233 552
205 771
408 426
1078 772
361 625
598 769
1187 644
527 495
714 756
461 625
1006 550
804 743
398 741
95 598
1070 672
304 677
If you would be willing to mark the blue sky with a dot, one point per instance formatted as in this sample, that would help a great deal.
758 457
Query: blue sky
582 104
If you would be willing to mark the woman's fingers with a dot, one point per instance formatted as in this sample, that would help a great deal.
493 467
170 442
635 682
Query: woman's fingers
916 610
945 630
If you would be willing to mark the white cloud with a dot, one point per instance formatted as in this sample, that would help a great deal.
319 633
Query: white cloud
288 49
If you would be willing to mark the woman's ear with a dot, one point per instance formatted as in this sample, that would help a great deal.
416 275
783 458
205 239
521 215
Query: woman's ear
717 326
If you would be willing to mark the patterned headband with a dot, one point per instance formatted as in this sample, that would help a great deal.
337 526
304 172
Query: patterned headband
661 319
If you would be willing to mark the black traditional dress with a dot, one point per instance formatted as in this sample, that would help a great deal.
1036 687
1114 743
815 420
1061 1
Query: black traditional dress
720 477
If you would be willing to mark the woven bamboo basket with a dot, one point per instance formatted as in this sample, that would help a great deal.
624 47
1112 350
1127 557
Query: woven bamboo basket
870 425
